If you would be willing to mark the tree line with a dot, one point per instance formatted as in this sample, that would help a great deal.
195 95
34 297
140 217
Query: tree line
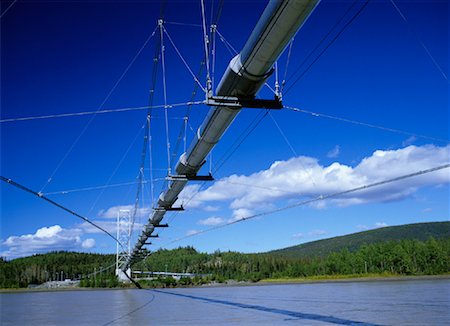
53 266
405 257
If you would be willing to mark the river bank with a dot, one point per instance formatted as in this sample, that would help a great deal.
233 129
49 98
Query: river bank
352 278
234 283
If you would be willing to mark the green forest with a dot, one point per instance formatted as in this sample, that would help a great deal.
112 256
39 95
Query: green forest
404 257
53 266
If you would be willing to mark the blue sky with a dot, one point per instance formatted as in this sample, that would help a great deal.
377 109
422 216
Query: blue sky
62 57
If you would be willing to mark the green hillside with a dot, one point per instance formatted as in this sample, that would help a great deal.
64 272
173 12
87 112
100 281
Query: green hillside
352 242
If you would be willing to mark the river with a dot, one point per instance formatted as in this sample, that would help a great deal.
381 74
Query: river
404 302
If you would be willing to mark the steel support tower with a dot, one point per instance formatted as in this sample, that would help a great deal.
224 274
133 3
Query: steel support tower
123 249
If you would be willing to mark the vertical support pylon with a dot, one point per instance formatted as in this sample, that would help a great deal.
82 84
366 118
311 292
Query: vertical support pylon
123 251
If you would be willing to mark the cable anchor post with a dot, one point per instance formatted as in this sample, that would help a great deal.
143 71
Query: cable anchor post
277 84
278 94
185 132
206 43
212 31
209 91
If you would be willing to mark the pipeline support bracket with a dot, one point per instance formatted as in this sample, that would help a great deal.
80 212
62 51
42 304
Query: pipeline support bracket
172 209
239 102
183 177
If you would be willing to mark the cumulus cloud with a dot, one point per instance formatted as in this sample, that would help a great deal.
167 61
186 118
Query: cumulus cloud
48 232
45 239
303 177
380 224
334 152
114 211
210 221
240 213
210 208
88 243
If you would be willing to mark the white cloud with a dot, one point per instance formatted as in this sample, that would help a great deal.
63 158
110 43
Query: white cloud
334 152
427 210
45 239
380 224
88 243
319 204
54 238
240 213
211 221
303 177
48 232
316 233
210 208
114 211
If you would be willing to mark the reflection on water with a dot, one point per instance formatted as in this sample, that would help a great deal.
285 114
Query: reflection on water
411 302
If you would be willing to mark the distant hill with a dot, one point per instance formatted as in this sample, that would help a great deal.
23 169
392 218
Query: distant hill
418 231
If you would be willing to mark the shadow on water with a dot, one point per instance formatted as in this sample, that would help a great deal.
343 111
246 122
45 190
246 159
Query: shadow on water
295 314
131 312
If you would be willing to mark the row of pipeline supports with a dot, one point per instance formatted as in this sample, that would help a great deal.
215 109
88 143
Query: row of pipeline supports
244 77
